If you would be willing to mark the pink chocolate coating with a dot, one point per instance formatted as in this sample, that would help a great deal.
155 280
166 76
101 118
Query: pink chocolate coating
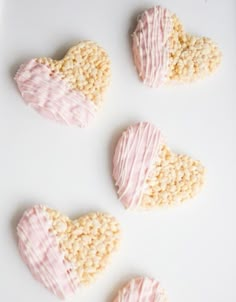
40 251
135 152
52 97
142 290
151 45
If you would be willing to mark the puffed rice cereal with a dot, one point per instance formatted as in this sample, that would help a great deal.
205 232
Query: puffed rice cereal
164 53
63 254
69 91
148 174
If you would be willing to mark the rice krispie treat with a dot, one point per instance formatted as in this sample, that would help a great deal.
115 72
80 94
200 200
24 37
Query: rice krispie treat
148 174
69 91
63 254
142 289
164 53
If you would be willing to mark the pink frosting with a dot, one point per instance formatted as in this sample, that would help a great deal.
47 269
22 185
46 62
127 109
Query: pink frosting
142 290
151 45
135 152
52 97
40 251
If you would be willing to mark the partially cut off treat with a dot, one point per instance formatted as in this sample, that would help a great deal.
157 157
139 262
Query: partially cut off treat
148 174
164 53
64 254
142 289
70 90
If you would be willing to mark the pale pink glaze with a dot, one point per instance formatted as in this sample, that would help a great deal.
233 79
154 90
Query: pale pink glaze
40 251
135 152
142 290
52 97
151 45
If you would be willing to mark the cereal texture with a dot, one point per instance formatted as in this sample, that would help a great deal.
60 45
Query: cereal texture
148 174
164 53
86 242
64 254
69 91
190 57
173 178
86 67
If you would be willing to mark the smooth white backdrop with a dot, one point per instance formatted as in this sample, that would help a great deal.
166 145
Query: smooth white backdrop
190 249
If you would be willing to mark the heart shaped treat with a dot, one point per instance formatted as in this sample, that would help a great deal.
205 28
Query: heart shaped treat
142 289
148 174
68 91
64 254
163 52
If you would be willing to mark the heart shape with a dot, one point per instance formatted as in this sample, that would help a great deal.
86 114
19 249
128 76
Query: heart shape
148 174
64 254
163 52
68 91
142 289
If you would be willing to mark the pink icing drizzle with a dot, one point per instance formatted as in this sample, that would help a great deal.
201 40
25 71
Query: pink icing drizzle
40 251
151 45
142 290
52 97
135 152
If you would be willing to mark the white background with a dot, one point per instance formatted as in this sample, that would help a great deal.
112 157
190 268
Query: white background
191 248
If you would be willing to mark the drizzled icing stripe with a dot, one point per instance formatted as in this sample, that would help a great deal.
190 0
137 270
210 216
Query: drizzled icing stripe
142 290
40 251
151 45
135 152
52 97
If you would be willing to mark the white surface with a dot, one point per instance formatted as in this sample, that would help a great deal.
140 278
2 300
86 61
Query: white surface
191 248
